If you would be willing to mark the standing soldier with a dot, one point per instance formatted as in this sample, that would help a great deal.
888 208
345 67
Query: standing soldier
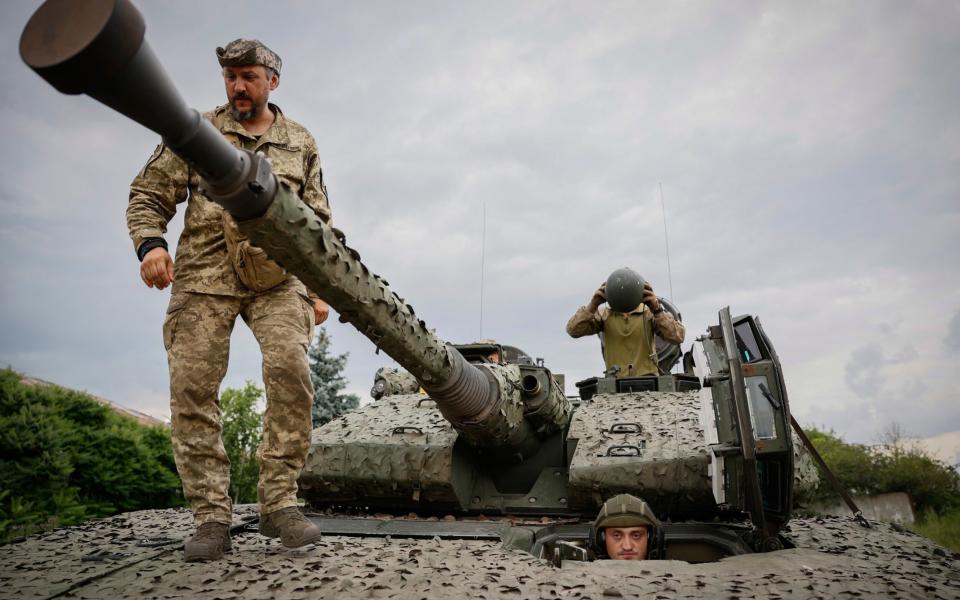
627 324
220 275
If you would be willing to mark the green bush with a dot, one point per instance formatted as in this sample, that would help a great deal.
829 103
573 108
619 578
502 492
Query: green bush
933 486
242 432
852 464
65 458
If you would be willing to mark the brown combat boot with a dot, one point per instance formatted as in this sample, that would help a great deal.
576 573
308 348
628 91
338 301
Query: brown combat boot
209 542
289 524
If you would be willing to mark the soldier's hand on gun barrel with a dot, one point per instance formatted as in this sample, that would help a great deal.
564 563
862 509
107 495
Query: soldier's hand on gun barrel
650 299
156 270
321 310
599 296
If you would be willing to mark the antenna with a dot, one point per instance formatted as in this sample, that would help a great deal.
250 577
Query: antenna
666 242
483 256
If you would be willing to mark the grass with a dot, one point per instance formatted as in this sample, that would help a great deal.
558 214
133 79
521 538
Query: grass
943 529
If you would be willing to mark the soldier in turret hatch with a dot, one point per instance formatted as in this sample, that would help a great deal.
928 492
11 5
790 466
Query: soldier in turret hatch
627 529
220 276
627 324
494 355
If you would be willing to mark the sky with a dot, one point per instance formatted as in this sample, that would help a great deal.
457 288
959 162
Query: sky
496 161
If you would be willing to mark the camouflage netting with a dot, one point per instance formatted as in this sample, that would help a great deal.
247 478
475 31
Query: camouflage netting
835 558
381 450
668 467
806 478
393 381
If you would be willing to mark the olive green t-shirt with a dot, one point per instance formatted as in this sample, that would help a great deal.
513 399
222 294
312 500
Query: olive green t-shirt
628 343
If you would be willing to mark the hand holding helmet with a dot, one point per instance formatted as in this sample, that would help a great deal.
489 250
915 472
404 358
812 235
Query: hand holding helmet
650 298
599 296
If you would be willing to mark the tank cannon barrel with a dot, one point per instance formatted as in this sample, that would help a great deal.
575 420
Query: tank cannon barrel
485 406
98 48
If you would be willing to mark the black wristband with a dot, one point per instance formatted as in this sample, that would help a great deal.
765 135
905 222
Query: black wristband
149 244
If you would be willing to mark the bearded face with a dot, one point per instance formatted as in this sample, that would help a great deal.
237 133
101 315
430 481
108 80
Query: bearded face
243 108
248 89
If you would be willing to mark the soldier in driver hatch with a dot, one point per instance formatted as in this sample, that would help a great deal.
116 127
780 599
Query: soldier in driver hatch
219 275
627 324
626 529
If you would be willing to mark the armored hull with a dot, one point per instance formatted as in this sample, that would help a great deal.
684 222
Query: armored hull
119 557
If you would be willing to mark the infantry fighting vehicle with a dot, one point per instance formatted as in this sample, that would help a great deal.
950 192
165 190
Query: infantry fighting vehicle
529 453
485 437
480 450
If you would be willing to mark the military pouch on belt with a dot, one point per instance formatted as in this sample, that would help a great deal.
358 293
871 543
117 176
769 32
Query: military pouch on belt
254 269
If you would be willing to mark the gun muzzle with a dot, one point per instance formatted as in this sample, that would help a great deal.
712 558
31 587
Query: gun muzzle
97 47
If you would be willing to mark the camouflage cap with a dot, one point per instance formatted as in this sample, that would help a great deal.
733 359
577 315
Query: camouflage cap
241 52
625 510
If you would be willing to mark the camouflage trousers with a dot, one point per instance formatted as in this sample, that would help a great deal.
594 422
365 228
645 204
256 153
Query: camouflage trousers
196 334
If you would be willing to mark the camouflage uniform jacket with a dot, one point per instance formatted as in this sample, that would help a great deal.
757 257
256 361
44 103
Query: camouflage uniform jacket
627 339
202 264
587 321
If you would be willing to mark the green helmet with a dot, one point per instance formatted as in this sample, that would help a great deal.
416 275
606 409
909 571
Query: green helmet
624 290
624 510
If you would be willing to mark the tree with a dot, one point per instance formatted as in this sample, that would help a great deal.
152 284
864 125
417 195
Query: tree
242 432
896 466
895 440
853 464
933 486
326 373
65 458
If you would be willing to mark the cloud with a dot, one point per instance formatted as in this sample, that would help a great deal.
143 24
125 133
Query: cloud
807 153
896 382
952 340
867 367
